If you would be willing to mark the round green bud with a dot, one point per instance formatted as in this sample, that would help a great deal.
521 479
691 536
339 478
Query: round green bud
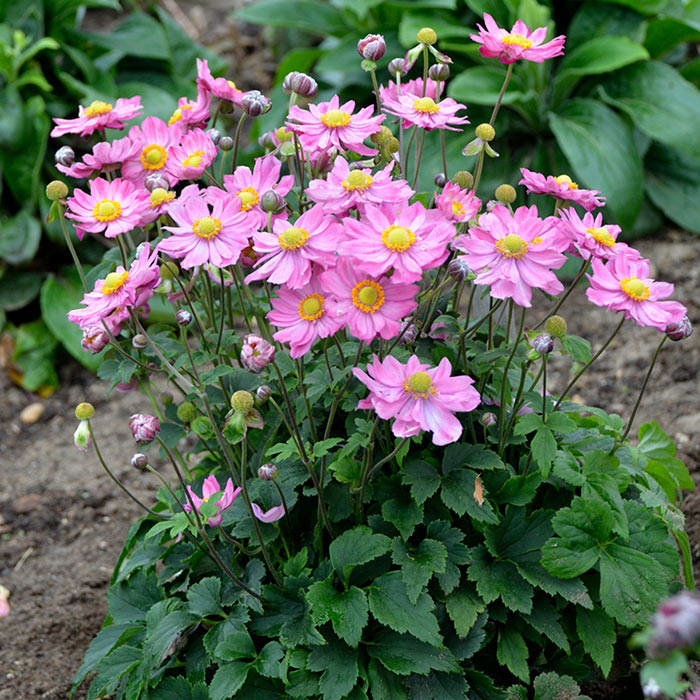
168 270
242 401
505 193
556 326
186 412
392 145
382 137
485 132
464 179
84 411
426 36
56 189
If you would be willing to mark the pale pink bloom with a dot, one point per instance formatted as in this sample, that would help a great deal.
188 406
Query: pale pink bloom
256 353
4 604
303 316
98 116
514 253
210 487
409 241
290 250
249 187
210 228
153 140
561 187
457 204
111 208
590 237
418 397
519 42
105 157
192 113
410 87
345 188
195 153
330 124
94 339
426 113
623 284
369 306
269 516
144 428
219 87
119 291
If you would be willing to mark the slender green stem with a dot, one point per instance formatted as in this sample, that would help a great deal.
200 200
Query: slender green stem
443 152
499 99
426 63
222 311
505 383
71 247
309 415
419 155
560 303
369 473
375 85
544 388
477 170
236 140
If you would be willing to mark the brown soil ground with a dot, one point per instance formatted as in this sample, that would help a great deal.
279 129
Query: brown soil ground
62 523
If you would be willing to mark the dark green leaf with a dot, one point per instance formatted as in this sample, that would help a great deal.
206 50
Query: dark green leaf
204 597
383 684
496 579
228 679
339 665
19 240
309 15
551 686
18 288
597 632
463 606
422 478
347 610
355 547
403 513
419 564
481 85
512 652
404 654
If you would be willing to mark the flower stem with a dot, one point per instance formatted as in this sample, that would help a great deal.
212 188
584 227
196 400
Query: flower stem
499 99
560 303
71 247
505 383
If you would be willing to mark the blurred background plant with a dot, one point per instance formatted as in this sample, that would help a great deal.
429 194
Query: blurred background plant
619 112
51 60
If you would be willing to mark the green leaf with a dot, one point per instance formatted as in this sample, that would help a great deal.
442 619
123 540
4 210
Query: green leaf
339 665
668 673
457 493
419 564
457 553
384 685
234 646
600 147
519 490
346 610
228 680
463 606
545 619
644 7
665 33
105 640
404 654
315 17
34 355
116 664
544 448
579 349
204 597
481 85
566 468
18 288
357 546
390 604
597 632
551 686
130 600
403 513
636 91
161 638
423 479
512 652
438 685
19 237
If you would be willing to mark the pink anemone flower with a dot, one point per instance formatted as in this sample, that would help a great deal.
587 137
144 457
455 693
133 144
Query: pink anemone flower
561 187
411 87
369 306
249 187
105 157
418 397
159 201
210 486
518 43
623 284
219 87
268 516
210 228
345 188
514 253
153 140
426 113
303 316
98 116
330 124
192 113
195 153
410 241
457 204
111 208
288 252
590 237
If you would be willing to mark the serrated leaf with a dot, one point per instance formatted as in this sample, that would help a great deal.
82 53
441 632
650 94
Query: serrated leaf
512 652
597 632
545 619
457 493
234 646
423 479
204 597
161 638
346 610
131 600
551 686
667 672
116 664
419 564
446 686
404 654
383 684
499 579
463 606
228 680
544 448
339 666
403 513
357 546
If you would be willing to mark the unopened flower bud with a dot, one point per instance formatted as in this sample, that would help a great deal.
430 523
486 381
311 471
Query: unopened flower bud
372 47
84 411
382 136
426 36
485 132
225 143
488 419
408 333
396 68
183 317
139 341
139 461
267 472
464 179
287 82
256 353
555 326
680 330
675 625
505 193
144 427
56 189
439 72
304 85
458 268
94 339
166 398
263 393
187 412
272 202
266 141
214 135
254 103
154 181
168 270
242 401
543 343
440 180
65 156
393 145
81 436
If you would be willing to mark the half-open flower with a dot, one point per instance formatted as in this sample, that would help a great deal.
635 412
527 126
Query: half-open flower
210 487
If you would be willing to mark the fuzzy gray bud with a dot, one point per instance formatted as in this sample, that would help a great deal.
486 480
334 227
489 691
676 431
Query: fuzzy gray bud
458 268
65 155
267 472
139 341
488 419
396 68
214 135
543 343
409 332
139 461
680 330
154 181
254 103
183 317
440 180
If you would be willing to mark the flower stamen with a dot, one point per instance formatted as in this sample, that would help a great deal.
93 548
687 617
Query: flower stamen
368 296
207 227
602 235
357 180
249 198
420 385
515 39
293 238
107 210
114 281
398 238
634 288
311 307
426 105
96 108
335 118
153 157
511 246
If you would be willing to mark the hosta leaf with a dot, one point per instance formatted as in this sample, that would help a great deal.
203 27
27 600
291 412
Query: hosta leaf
346 610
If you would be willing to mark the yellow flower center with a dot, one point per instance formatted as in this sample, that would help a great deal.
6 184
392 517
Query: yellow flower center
293 238
515 39
602 235
335 118
249 198
153 157
96 108
566 180
634 288
511 246
160 196
426 105
311 307
193 160
457 209
398 238
114 281
357 180
207 227
282 134
177 114
232 85
368 296
107 210
420 385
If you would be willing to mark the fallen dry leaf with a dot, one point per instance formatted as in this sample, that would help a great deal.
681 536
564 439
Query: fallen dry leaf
478 491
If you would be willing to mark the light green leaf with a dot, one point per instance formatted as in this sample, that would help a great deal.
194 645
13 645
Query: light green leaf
667 672
419 564
481 85
309 15
116 664
544 448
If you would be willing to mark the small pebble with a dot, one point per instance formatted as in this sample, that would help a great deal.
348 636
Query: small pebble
32 413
